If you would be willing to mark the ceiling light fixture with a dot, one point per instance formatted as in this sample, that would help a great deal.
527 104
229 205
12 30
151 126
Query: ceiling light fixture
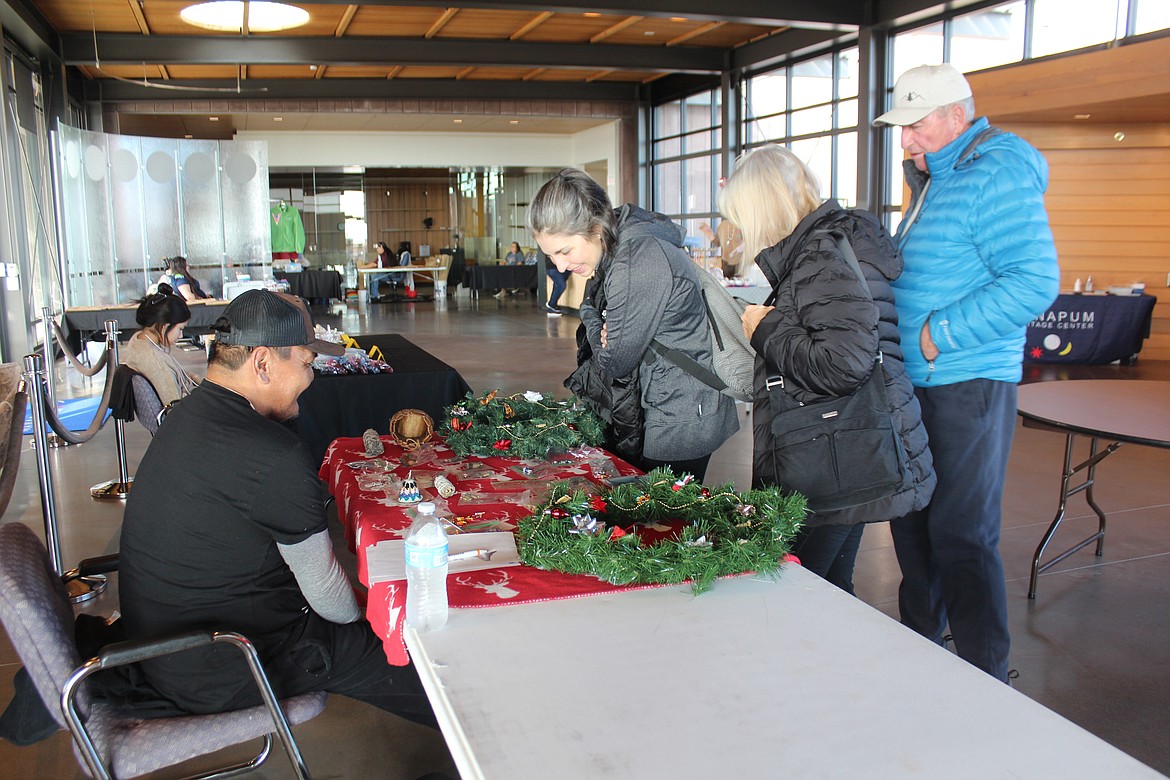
212 119
228 16
1081 116
513 121
457 121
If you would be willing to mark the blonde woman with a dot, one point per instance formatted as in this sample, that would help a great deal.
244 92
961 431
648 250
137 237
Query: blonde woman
822 335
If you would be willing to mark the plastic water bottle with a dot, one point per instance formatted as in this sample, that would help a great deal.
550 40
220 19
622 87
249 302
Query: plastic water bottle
426 570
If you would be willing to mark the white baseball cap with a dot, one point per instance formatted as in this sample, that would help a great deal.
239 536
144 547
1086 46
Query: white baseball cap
922 90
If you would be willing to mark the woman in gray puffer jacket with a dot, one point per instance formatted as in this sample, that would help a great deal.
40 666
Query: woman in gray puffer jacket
644 288
822 335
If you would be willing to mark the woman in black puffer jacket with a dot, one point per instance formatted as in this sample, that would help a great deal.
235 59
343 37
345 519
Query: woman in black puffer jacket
823 334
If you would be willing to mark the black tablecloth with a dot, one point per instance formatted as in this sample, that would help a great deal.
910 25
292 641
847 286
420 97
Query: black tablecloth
334 406
83 323
1090 329
312 285
500 277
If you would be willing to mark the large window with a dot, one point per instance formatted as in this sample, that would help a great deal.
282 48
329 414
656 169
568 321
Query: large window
688 141
1003 34
810 107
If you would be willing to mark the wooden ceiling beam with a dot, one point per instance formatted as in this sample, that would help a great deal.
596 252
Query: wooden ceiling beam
531 25
615 29
695 33
447 15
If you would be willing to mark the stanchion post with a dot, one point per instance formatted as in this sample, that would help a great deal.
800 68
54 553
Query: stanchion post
117 488
34 380
53 440
80 588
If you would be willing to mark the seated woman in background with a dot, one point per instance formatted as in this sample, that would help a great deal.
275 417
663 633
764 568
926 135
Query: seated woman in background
515 255
180 280
162 316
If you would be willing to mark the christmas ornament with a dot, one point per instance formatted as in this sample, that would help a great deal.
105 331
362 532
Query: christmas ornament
373 443
444 486
503 444
411 428
409 492
571 534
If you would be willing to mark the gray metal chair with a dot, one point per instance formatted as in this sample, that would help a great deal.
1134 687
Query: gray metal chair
108 741
12 404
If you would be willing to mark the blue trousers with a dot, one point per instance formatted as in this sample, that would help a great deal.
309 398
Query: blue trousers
949 552
558 284
829 551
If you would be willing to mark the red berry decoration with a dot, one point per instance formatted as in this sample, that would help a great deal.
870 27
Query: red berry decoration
705 493
558 513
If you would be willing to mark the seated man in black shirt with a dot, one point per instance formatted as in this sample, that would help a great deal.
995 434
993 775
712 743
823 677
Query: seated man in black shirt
226 529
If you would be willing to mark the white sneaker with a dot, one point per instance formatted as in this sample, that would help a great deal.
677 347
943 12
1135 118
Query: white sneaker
500 295
552 311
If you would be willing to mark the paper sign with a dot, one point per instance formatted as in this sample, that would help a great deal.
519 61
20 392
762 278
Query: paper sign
386 560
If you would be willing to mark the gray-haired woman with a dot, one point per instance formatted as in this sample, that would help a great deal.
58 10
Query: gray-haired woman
643 288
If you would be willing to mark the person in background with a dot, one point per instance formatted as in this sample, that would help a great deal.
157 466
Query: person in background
227 527
980 265
162 316
181 280
404 259
559 281
822 334
382 259
644 288
515 256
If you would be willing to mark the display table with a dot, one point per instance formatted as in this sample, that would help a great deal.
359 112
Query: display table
1120 411
347 405
436 273
489 494
500 277
1090 329
756 678
84 321
313 284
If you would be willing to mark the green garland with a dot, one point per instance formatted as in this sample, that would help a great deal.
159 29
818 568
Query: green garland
725 532
524 425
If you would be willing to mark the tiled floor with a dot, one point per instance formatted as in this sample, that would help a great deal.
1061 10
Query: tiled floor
1093 646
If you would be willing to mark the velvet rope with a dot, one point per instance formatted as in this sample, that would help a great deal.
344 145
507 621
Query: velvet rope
98 364
95 425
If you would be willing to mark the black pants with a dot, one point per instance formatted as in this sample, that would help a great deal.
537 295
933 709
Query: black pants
697 466
349 660
829 551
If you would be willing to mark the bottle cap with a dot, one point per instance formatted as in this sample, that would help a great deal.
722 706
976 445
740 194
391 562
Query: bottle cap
426 508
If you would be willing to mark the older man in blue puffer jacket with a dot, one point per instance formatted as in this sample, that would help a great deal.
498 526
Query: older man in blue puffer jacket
980 264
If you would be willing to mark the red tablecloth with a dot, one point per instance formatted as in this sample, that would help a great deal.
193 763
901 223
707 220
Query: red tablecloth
484 501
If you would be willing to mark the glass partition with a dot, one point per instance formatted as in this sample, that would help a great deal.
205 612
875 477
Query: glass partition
129 202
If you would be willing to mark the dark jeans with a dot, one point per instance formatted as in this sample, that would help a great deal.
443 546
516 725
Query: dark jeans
829 551
558 284
949 552
698 466
348 659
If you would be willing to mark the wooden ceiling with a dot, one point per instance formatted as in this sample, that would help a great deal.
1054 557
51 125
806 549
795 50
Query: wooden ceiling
622 42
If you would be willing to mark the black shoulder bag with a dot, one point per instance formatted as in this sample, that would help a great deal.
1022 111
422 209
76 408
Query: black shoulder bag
842 452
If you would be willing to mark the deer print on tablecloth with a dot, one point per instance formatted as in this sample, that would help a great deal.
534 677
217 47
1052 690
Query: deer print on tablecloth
498 588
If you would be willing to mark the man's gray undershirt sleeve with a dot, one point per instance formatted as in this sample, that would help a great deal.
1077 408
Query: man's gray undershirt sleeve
322 581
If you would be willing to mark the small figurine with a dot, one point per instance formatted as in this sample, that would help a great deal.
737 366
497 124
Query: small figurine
373 443
444 486
409 493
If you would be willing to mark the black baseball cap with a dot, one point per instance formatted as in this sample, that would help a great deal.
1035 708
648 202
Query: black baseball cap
259 318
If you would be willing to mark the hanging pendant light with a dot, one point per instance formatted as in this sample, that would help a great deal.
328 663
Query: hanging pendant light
231 15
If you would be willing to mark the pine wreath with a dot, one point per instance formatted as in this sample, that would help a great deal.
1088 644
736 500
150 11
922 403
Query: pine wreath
725 532
524 425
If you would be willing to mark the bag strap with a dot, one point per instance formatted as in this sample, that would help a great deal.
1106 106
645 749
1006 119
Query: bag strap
775 382
686 363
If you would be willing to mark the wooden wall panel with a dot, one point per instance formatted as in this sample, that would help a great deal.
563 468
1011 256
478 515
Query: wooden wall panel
395 211
1109 205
